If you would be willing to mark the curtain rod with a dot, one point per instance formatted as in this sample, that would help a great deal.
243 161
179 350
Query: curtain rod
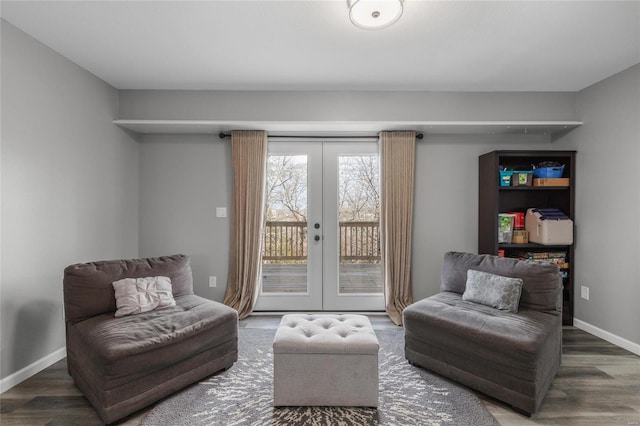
223 135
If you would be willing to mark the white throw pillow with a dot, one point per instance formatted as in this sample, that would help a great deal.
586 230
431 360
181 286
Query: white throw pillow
137 295
493 290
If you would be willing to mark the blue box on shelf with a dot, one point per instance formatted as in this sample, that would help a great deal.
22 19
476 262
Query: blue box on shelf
548 172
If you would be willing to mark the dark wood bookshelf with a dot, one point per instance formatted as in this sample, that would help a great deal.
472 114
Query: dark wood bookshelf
494 199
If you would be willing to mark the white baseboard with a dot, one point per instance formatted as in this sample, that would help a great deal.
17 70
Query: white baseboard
31 369
609 337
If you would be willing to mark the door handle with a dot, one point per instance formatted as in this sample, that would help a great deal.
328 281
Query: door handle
317 238
316 225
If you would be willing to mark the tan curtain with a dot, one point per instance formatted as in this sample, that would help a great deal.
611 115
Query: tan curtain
397 153
249 159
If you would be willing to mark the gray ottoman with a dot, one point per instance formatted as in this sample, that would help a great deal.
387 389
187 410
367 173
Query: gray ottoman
325 360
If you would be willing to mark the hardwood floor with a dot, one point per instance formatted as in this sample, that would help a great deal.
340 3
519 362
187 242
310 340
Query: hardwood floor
598 384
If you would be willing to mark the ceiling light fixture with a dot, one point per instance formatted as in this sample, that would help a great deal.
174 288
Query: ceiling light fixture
374 14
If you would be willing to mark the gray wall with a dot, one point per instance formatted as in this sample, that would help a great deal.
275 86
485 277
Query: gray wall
183 178
608 203
69 190
345 106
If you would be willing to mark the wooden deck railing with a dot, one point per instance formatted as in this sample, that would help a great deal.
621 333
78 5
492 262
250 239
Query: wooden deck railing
287 242
359 241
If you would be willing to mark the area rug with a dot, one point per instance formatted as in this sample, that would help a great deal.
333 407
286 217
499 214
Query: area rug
243 395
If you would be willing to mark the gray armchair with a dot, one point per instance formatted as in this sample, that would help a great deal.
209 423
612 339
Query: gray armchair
122 364
512 357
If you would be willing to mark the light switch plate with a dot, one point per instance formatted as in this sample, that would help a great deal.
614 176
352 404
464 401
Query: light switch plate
584 292
221 212
213 281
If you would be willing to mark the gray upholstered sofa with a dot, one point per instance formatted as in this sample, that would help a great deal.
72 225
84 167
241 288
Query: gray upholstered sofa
122 364
512 357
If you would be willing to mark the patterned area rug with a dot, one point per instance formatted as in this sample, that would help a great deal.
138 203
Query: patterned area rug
243 395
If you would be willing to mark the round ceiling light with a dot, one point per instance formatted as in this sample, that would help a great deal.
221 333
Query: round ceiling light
374 14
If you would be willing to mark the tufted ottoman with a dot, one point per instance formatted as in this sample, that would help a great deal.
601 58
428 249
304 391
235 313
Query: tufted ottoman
329 360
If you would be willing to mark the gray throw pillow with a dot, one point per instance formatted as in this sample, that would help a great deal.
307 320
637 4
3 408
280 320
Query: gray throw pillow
493 290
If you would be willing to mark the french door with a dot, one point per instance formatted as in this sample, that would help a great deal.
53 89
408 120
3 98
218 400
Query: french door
321 248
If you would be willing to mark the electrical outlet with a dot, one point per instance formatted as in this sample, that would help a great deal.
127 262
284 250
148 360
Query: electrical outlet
221 212
584 292
212 281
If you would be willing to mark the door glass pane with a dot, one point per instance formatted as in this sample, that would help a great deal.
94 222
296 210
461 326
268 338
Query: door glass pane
359 216
284 258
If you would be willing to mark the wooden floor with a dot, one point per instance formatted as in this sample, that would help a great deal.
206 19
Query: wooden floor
598 384
292 278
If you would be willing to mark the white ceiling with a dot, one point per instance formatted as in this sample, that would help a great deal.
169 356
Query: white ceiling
311 44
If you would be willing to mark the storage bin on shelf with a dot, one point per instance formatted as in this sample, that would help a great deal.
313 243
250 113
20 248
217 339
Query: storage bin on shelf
549 227
505 227
522 178
548 169
505 177
548 172
516 176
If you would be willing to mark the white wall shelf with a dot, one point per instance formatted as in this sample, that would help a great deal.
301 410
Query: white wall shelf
351 127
